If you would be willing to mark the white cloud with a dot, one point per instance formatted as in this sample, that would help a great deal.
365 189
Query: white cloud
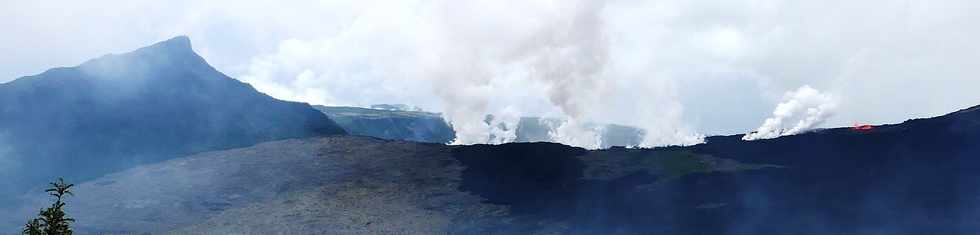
675 68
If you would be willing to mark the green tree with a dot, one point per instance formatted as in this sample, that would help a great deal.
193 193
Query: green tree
53 220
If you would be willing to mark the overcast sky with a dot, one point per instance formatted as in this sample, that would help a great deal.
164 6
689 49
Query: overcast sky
676 68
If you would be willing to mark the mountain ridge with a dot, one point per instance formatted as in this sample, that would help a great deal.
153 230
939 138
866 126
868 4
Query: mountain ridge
150 104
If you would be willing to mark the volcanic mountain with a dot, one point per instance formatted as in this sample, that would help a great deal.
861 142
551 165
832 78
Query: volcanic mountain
149 105
917 177
921 176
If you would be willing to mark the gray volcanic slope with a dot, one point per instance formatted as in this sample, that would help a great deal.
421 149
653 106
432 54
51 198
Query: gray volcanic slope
306 186
917 177
341 185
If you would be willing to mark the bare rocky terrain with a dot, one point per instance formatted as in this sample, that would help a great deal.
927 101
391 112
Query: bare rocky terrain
302 186
329 185
917 177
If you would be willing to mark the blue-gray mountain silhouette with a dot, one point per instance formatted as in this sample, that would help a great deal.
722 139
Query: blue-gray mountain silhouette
117 111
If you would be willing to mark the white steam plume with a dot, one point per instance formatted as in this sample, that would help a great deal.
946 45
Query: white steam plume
564 52
503 127
575 133
475 58
800 111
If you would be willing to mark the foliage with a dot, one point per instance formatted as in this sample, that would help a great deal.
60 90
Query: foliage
53 220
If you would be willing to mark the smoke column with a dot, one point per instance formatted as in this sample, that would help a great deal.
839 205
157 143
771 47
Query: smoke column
564 53
801 110
468 59
572 132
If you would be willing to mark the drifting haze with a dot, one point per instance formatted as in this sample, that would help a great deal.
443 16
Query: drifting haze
9 166
677 69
